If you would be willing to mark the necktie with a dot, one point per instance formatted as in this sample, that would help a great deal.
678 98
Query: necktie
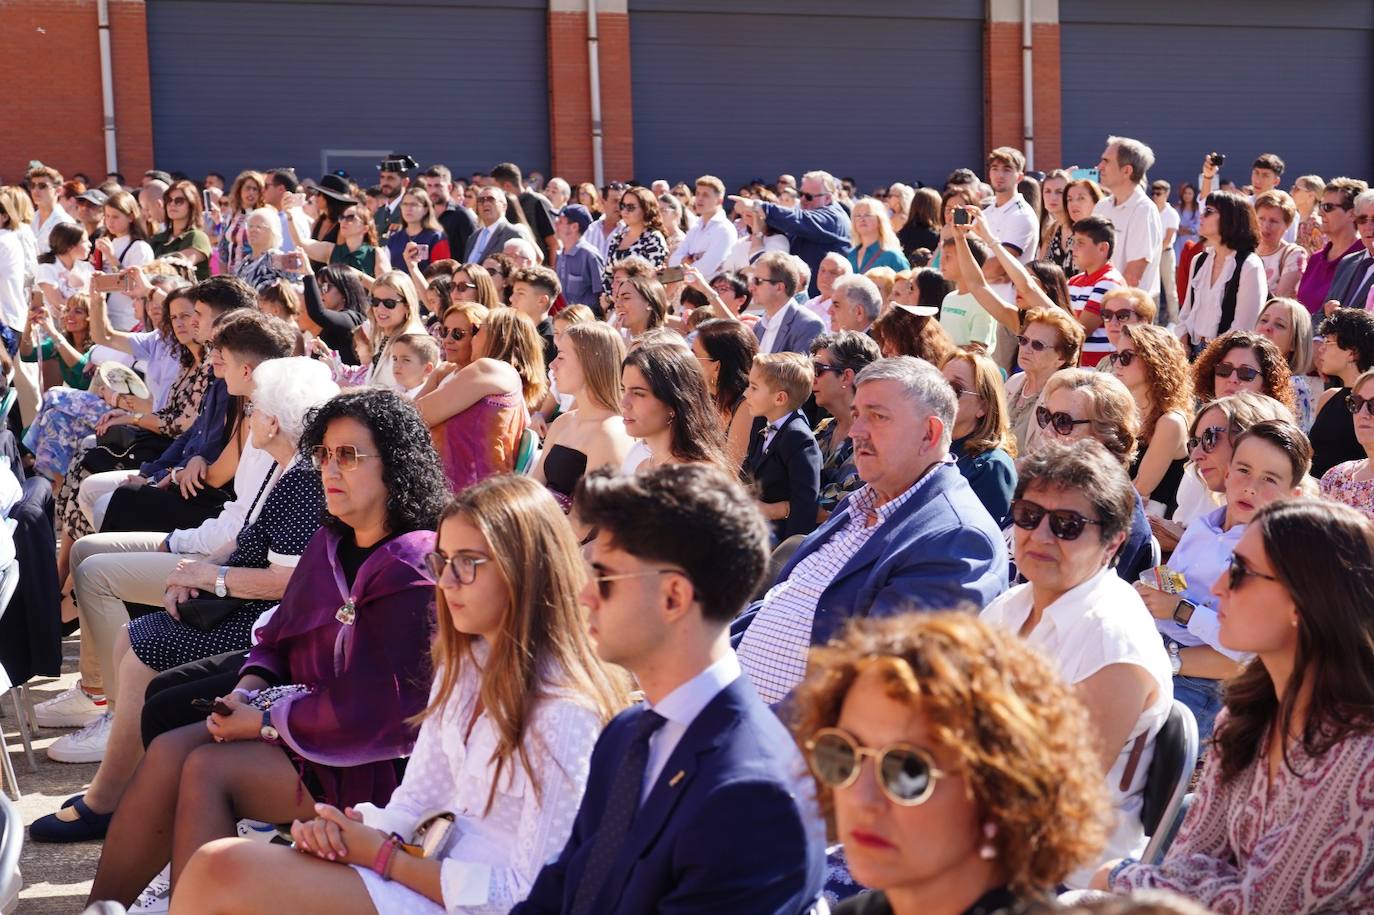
621 804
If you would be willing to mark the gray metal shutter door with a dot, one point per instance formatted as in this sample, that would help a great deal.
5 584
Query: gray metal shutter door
752 88
240 85
1243 77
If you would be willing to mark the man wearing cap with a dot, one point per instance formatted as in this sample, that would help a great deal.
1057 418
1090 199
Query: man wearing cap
579 264
393 178
458 221
90 210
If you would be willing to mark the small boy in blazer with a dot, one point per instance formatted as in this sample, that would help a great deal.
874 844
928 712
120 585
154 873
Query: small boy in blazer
783 461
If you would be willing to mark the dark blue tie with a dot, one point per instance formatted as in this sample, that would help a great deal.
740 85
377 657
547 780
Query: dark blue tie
621 804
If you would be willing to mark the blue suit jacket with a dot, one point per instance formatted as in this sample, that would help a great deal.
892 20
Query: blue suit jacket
812 233
790 471
1348 284
799 327
939 551
720 831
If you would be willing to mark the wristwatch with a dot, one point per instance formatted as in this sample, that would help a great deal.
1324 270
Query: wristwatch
1175 659
221 585
1183 611
267 732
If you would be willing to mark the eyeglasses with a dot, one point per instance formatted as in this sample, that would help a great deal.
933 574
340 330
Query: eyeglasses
1125 357
487 198
1361 220
1123 316
350 217
1243 372
1208 440
1328 207
463 567
758 281
810 197
820 368
455 334
1158 193
1038 346
385 303
603 582
178 201
960 391
626 207
1356 404
348 456
1238 571
1063 423
906 774
1064 524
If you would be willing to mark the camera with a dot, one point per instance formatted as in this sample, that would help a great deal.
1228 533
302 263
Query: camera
1217 159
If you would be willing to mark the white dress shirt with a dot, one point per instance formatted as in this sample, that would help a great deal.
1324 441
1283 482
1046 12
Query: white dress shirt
13 307
707 242
1200 313
681 707
42 230
771 327
820 306
218 536
1203 553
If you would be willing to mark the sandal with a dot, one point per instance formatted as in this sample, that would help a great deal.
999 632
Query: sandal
88 827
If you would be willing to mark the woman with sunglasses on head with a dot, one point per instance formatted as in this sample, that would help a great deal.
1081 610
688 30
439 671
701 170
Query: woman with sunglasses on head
1152 364
356 246
1352 482
955 765
478 413
1073 509
321 706
1226 284
1286 324
183 236
982 443
335 302
1050 339
1346 352
639 235
1281 816
503 752
1269 462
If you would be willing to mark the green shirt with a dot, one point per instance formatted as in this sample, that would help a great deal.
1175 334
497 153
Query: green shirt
364 259
73 376
967 322
193 239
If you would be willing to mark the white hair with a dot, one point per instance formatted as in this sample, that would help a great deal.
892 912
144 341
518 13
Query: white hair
288 389
859 290
524 248
1365 199
839 260
803 271
273 224
827 180
922 383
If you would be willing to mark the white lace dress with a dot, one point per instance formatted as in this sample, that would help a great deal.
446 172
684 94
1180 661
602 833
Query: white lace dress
491 861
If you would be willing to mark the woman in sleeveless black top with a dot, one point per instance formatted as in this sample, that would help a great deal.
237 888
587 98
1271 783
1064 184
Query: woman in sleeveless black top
1347 351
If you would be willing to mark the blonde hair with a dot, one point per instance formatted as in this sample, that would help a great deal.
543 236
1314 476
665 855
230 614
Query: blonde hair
19 207
887 239
884 278
1111 408
790 373
712 182
1301 358
1141 302
993 429
600 350
513 339
1280 201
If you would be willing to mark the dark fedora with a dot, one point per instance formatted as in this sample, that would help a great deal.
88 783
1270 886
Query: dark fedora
333 187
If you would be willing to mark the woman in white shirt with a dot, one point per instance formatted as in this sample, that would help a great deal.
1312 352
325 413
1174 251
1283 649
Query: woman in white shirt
519 698
1073 509
123 245
64 271
1216 302
13 265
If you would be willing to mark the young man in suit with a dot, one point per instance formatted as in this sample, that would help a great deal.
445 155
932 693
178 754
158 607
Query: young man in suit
698 800
784 460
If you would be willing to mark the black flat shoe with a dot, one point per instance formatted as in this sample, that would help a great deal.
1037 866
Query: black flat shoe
89 827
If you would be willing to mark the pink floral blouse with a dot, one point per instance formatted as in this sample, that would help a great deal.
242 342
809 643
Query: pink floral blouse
1339 485
1301 844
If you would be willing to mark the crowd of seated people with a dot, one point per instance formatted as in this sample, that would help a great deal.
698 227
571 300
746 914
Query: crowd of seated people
498 547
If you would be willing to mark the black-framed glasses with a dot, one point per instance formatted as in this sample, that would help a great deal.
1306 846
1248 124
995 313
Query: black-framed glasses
1208 440
456 334
1038 346
1244 372
1064 524
810 197
1062 422
603 582
1355 404
348 456
1238 571
1125 357
385 303
463 566
820 368
1328 207
1123 316
906 774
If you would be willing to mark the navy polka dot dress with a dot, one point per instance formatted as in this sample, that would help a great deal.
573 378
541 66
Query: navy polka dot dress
290 516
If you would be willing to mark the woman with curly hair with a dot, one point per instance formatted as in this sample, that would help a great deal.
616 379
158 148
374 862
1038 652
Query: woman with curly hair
1242 361
1153 366
323 705
1282 815
640 234
1347 351
910 330
982 445
983 794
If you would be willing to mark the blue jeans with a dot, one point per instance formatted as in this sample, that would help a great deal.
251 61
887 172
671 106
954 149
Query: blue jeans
1201 695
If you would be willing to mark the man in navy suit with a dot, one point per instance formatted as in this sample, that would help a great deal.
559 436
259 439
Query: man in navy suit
698 801
915 536
783 459
785 327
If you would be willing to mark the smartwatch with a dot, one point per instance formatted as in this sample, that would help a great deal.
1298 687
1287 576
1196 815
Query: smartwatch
267 732
1183 612
222 584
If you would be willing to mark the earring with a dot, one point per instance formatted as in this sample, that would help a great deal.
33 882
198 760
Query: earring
988 851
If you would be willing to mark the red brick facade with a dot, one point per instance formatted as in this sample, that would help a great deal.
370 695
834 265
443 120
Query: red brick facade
570 118
58 118
1003 123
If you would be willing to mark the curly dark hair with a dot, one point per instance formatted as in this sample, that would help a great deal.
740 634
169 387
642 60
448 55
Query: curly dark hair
1352 329
417 490
1166 368
1275 374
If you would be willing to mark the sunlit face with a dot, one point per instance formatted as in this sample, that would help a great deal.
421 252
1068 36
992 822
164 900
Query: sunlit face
236 370
1079 203
1135 375
893 439
760 398
76 319
1276 323
1053 565
1364 423
567 371
116 223
184 320
632 211
1259 616
1263 179
479 608
1338 216
1117 312
645 415
1260 473
1238 360
1052 195
459 350
409 367
826 275
413 209
259 234
437 188
353 495
633 308
1333 359
1212 466
1076 403
709 367
972 407
491 205
1002 176
251 194
1272 224
388 309
1109 168
1040 353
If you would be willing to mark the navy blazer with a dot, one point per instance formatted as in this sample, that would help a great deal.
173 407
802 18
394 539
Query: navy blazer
789 471
799 327
940 550
1348 283
722 829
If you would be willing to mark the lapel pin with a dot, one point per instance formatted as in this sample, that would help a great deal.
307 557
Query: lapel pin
681 774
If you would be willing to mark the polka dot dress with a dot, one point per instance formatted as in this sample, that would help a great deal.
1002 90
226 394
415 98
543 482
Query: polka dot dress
289 518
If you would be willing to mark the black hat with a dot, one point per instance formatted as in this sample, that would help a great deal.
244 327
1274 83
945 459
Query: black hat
400 163
333 187
95 197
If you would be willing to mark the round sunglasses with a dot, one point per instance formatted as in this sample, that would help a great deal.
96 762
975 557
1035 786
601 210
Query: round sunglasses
1064 524
1208 440
1062 423
906 774
1038 346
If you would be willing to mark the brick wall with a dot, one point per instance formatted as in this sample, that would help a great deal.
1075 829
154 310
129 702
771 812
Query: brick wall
50 68
1003 123
570 119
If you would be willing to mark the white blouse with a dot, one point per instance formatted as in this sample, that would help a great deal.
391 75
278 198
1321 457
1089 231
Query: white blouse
1200 314
491 860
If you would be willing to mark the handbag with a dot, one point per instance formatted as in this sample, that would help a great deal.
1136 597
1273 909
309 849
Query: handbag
124 447
205 613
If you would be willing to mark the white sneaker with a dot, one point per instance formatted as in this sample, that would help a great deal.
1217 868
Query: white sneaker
72 709
84 746
157 897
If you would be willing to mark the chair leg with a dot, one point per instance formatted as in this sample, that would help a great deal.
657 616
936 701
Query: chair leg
25 716
7 770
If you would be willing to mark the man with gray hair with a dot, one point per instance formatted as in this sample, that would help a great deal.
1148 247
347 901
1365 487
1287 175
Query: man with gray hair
1354 277
857 303
913 537
833 266
1139 231
814 228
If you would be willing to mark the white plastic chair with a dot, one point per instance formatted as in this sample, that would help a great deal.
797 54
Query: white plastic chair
11 844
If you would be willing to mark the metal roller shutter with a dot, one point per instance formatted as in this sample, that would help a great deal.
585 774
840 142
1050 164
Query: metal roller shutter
752 88
323 86
1239 76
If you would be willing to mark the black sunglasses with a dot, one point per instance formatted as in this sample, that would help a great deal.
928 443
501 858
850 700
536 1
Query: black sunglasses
1328 207
1063 423
1238 571
455 334
820 368
1356 404
810 197
1126 356
1038 346
906 774
1208 440
1064 524
1124 316
385 303
1244 372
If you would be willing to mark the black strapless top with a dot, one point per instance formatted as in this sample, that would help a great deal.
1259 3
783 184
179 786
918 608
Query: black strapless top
563 467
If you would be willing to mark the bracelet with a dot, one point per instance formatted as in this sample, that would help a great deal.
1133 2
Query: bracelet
381 865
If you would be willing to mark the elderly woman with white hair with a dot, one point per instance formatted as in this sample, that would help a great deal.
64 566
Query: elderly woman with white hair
525 253
260 268
282 517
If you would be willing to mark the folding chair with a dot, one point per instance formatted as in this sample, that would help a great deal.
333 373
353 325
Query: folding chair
527 454
23 703
1166 784
11 844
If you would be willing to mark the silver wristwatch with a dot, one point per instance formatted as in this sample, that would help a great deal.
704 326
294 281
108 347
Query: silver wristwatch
221 584
1175 659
